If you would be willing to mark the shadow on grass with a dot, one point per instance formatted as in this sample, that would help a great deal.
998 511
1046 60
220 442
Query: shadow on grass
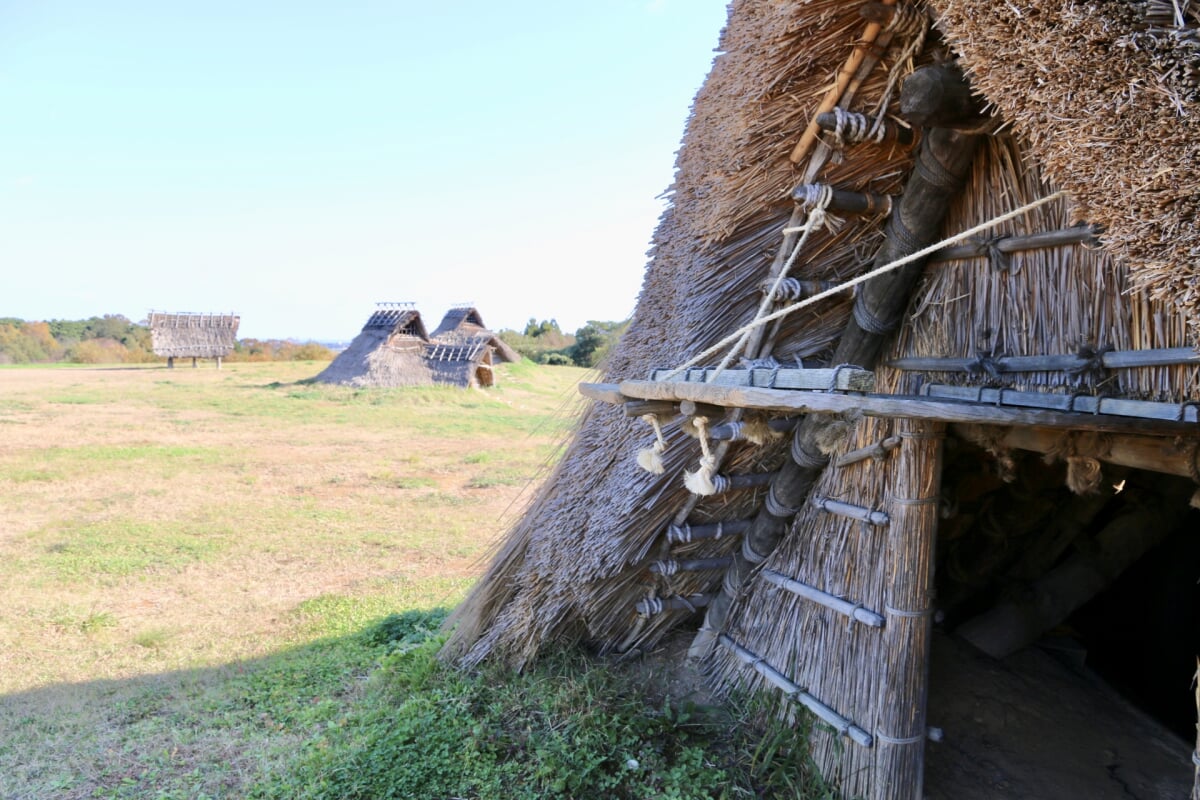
212 732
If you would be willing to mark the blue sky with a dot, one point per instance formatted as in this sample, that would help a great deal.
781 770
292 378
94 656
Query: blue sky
298 162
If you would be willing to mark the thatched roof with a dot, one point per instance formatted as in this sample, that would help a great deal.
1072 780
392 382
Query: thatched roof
1119 134
463 324
394 349
188 334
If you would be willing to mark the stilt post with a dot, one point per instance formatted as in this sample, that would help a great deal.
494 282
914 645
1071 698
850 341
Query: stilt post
911 539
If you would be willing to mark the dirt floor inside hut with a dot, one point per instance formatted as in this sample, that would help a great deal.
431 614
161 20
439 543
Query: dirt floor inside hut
1038 727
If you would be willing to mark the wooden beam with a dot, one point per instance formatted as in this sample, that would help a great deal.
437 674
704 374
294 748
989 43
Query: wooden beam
844 379
848 201
1064 362
604 392
1079 234
906 406
1161 454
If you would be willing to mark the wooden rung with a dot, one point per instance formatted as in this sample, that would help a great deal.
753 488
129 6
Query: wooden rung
652 606
659 408
843 378
682 534
861 513
731 483
735 431
1079 234
877 450
843 200
672 566
798 693
831 601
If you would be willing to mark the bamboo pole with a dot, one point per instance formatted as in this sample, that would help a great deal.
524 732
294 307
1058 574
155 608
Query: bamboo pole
911 539
846 74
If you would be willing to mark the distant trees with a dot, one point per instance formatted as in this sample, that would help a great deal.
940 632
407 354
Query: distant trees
545 343
114 339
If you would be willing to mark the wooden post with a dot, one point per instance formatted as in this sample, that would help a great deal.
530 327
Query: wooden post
170 362
195 362
911 539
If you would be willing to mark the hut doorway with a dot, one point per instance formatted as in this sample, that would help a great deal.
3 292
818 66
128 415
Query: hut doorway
1071 627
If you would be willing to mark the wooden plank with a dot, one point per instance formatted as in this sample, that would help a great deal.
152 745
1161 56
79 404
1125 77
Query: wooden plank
1124 359
906 406
604 392
844 379
1086 404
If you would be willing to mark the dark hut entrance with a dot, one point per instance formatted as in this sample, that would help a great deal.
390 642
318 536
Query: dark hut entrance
1070 628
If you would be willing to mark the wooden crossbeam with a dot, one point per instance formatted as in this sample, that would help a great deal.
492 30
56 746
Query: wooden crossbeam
843 379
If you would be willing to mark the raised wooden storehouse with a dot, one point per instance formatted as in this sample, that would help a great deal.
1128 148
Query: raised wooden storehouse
193 335
394 349
911 393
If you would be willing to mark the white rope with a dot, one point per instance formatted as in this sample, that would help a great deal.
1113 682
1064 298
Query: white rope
819 201
900 262
700 482
650 458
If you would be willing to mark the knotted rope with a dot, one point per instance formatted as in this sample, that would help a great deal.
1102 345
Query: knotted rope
650 458
701 481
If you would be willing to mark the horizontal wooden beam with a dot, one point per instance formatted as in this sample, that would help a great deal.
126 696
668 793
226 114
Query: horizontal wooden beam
1065 362
910 406
843 379
1084 403
1079 234
1163 454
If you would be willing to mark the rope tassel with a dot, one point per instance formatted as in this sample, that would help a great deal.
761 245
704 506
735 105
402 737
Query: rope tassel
650 458
700 482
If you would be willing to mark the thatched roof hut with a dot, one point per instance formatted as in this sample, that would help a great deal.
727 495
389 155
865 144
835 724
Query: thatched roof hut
193 335
394 349
930 321
463 323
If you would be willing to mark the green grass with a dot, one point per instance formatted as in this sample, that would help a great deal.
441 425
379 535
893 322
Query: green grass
229 584
568 728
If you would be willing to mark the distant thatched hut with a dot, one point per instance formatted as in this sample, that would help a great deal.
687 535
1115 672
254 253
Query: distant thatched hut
193 335
1024 249
394 349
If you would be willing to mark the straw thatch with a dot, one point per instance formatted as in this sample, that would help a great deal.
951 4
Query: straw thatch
463 324
394 349
1119 134
188 334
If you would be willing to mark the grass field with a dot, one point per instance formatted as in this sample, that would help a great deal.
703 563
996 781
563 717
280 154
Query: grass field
163 533
228 584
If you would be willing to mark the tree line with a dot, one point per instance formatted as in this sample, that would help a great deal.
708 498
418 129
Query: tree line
545 343
114 339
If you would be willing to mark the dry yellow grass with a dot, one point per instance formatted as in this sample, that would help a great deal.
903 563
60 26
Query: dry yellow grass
154 520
